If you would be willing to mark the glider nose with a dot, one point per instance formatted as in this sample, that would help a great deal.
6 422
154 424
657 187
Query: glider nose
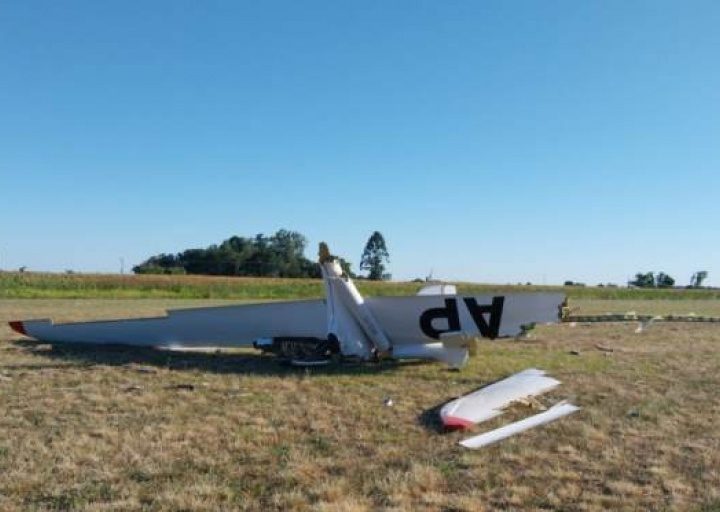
18 327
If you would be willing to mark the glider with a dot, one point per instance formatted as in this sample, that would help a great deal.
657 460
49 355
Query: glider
437 324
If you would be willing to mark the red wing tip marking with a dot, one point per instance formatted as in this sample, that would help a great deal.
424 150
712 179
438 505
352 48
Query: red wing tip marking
18 327
455 423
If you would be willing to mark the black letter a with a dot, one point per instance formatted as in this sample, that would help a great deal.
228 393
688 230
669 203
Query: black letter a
449 312
487 329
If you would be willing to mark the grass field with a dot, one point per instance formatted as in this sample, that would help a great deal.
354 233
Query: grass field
31 285
128 429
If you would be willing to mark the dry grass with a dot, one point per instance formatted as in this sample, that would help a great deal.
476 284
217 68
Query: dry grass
646 307
87 429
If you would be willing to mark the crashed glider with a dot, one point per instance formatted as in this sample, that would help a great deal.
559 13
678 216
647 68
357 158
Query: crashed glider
437 324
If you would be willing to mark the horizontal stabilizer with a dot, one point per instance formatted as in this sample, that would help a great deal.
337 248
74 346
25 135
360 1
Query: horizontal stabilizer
488 402
461 339
458 339
455 357
555 412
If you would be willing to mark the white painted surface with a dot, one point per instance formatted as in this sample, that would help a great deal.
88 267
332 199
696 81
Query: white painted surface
488 402
400 316
455 357
340 321
438 289
198 327
349 315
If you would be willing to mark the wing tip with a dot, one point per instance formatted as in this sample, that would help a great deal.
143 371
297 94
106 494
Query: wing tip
18 327
456 423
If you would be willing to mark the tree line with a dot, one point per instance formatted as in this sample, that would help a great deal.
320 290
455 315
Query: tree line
279 255
663 280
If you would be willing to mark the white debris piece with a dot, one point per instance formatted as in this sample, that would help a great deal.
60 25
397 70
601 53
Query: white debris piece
488 402
438 289
555 412
644 324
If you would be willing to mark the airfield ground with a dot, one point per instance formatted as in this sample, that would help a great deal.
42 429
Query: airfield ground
88 429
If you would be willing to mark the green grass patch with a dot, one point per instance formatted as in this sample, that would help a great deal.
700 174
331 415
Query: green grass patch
32 285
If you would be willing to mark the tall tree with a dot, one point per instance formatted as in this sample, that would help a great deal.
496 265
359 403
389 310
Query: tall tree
374 257
697 278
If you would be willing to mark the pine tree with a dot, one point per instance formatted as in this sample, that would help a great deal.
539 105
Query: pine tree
374 257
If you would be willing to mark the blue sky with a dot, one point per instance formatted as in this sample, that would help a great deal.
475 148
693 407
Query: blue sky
488 141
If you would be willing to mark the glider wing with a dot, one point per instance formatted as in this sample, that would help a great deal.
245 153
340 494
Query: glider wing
237 325
409 320
489 401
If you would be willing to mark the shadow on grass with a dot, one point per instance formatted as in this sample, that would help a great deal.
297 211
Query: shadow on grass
430 418
212 362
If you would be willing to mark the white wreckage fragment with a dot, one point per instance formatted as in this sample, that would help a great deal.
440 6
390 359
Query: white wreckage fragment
557 411
488 402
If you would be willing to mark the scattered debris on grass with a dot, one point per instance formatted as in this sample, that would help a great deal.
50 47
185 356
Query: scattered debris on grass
143 369
183 387
603 348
